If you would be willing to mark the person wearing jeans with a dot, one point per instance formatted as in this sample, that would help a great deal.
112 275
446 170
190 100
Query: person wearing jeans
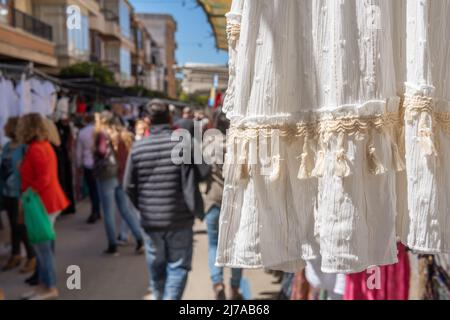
85 163
39 172
11 157
111 152
112 195
212 224
162 192
169 258
212 190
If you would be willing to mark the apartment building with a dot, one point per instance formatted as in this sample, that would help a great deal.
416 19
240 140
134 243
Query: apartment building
23 37
198 78
162 28
107 32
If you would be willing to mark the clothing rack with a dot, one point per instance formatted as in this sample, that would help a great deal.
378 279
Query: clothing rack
29 69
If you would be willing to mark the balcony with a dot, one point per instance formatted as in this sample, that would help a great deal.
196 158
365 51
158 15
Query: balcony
26 38
32 25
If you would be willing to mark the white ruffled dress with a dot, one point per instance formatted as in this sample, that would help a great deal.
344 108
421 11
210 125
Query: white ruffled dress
320 119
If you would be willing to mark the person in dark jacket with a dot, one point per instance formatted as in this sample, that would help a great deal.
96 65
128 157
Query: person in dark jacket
154 183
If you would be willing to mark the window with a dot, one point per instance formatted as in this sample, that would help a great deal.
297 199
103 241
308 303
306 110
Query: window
139 45
78 38
4 11
125 63
124 19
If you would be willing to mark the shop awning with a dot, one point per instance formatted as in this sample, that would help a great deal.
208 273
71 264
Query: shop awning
216 10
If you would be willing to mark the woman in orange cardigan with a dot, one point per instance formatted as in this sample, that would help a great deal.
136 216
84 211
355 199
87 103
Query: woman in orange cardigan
39 171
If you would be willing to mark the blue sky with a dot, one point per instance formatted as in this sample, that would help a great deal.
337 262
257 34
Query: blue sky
194 35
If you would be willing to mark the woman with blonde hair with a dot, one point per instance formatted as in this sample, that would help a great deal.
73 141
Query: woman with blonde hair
39 172
112 144
12 156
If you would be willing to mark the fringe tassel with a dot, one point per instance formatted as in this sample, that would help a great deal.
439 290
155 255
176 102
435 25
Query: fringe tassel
375 166
276 169
399 162
306 165
373 162
341 167
426 135
319 169
242 170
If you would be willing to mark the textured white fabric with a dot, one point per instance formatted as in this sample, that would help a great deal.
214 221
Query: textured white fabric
427 226
8 105
327 77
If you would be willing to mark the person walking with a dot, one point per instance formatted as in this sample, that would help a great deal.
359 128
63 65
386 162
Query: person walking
39 172
85 163
112 144
12 156
212 190
155 186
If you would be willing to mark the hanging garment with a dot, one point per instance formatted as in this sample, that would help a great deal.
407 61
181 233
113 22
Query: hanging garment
23 90
62 109
426 227
381 283
315 158
43 97
8 105
314 110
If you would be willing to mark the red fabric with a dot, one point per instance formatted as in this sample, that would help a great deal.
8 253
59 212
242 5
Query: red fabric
394 284
39 171
122 157
81 107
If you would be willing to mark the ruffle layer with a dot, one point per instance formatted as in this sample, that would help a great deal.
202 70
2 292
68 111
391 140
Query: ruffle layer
332 183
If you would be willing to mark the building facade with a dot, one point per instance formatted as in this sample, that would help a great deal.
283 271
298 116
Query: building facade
24 37
54 34
198 78
162 28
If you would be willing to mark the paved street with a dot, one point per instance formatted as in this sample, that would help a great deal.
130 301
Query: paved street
122 277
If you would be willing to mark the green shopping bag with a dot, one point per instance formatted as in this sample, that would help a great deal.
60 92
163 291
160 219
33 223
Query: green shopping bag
39 227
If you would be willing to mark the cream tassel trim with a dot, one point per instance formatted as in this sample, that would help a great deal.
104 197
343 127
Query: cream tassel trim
399 162
242 172
307 163
426 136
374 164
276 168
319 169
342 167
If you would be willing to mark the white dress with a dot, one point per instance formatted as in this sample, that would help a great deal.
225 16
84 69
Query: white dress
426 227
315 154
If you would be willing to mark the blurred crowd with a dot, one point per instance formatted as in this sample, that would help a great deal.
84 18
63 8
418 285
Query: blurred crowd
121 164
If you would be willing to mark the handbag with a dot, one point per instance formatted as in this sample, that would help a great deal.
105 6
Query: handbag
37 222
106 167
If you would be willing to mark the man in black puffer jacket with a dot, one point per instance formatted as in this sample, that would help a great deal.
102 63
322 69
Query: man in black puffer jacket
157 187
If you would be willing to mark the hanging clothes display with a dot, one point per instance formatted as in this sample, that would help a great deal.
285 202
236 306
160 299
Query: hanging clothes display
8 105
426 227
315 161
391 282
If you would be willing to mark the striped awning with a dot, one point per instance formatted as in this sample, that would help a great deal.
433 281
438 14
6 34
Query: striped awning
216 10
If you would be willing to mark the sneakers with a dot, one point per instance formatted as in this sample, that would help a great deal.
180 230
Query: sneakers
41 293
149 297
139 247
29 266
12 263
219 292
49 294
93 218
112 251
122 242
33 280
236 295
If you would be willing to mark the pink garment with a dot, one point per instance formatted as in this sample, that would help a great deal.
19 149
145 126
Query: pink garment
394 284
